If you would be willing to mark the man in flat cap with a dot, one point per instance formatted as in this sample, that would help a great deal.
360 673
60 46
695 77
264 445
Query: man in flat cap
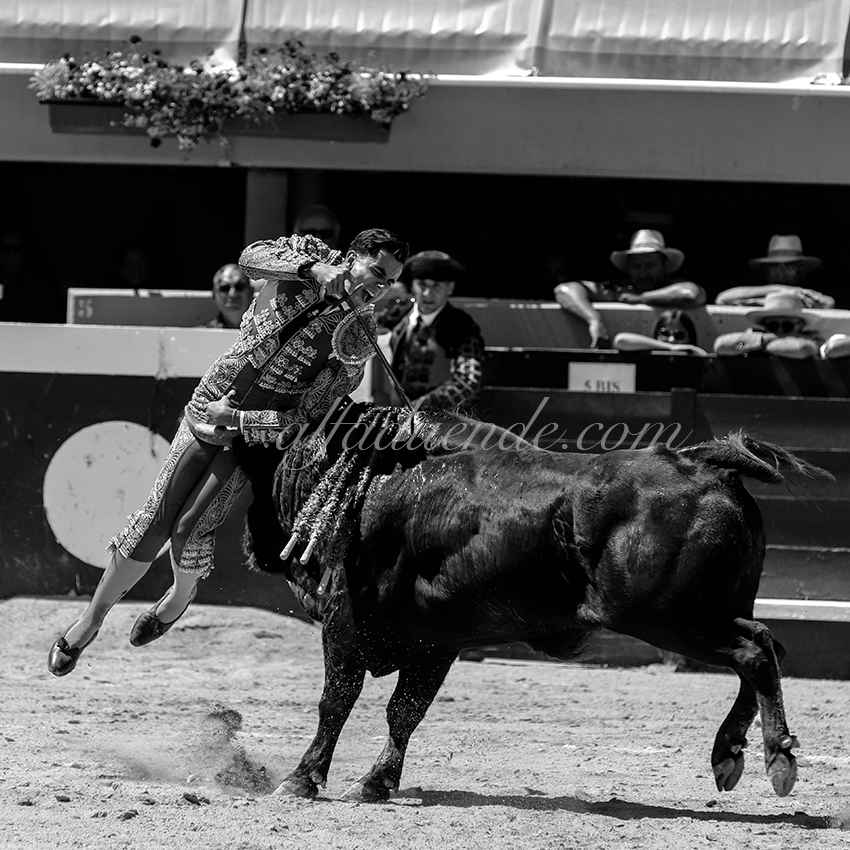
301 348
437 348
649 267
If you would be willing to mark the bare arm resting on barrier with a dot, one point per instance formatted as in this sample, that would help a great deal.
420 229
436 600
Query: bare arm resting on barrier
741 342
639 342
576 297
753 296
683 294
750 341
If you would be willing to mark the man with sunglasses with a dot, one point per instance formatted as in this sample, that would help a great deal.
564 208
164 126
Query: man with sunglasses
780 328
301 348
232 294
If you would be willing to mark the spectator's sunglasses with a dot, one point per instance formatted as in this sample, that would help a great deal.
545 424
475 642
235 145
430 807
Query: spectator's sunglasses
679 334
226 287
783 326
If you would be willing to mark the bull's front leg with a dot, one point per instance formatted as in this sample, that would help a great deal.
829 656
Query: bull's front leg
415 691
344 675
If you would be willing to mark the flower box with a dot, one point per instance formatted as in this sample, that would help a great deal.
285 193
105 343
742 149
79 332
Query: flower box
98 116
88 116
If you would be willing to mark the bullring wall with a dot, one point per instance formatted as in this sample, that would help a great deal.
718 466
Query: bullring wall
74 395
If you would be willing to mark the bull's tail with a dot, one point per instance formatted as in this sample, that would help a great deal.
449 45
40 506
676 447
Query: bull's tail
753 458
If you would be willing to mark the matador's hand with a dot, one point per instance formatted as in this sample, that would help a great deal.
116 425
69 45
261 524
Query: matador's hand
223 411
336 281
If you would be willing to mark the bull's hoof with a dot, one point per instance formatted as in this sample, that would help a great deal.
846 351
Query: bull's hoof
297 786
728 771
782 772
367 792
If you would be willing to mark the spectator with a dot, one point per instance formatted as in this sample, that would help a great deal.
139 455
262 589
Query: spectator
437 348
319 221
134 270
649 266
785 268
24 296
780 328
232 292
15 301
674 331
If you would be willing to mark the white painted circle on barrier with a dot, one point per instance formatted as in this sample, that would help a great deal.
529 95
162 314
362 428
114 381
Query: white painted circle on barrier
96 479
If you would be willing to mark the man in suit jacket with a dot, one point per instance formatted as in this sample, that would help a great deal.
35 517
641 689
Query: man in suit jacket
437 348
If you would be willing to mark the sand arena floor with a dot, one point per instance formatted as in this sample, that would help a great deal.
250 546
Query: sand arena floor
120 754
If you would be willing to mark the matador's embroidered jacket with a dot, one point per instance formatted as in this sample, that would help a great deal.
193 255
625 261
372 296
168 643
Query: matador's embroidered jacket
295 355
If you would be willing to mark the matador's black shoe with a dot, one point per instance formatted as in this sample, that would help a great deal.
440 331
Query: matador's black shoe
63 657
149 627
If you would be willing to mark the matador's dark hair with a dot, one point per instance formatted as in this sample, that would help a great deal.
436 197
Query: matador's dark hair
371 242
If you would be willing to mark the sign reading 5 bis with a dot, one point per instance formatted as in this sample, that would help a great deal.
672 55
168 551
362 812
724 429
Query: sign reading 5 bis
602 377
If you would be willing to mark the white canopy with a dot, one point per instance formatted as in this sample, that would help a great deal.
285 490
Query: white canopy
718 40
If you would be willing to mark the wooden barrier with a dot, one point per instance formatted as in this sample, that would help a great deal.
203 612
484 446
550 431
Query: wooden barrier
183 308
68 388
505 323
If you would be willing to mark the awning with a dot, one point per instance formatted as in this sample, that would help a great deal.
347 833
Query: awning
36 31
723 40
711 40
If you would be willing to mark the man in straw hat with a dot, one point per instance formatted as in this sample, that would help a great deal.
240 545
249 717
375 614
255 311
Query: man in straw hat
782 327
648 265
785 268
301 348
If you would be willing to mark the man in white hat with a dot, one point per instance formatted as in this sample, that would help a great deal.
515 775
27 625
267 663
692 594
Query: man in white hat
649 266
782 327
785 268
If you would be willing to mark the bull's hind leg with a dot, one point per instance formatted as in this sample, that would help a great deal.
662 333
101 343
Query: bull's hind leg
727 756
344 675
415 691
779 761
749 651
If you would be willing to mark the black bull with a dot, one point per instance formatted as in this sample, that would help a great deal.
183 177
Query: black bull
446 539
